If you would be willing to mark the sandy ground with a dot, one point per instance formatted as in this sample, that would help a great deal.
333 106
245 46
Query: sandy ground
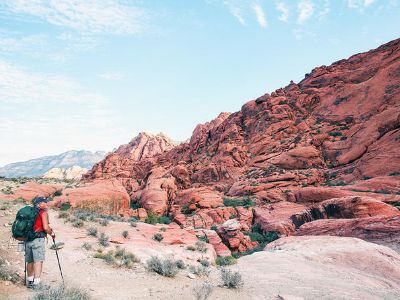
307 268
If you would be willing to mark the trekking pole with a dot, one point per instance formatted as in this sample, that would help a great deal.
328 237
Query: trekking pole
25 263
58 259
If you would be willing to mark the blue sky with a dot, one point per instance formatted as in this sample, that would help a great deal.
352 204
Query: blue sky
86 74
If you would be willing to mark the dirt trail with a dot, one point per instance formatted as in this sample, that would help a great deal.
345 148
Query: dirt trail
299 269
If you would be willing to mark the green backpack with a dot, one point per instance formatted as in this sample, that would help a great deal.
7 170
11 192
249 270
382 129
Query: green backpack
22 228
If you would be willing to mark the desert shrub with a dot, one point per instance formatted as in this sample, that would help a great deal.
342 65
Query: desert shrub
65 206
231 279
258 235
78 223
232 216
245 202
57 193
225 260
164 220
395 173
180 264
104 240
203 291
214 228
6 273
87 246
63 215
5 206
118 258
92 231
62 292
135 205
158 237
191 248
133 224
335 133
199 270
185 209
125 234
151 218
166 267
163 229
204 262
203 238
201 246
103 222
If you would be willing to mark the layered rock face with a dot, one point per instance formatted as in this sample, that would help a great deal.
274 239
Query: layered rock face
325 148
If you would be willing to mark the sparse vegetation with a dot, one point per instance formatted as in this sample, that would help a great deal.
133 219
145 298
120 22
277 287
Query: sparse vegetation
163 229
201 246
225 260
118 258
6 273
397 173
214 228
104 222
104 240
134 224
395 204
166 267
87 246
92 231
245 202
335 133
154 219
263 238
63 215
180 264
62 292
78 223
231 279
199 270
65 206
203 291
191 248
204 262
158 237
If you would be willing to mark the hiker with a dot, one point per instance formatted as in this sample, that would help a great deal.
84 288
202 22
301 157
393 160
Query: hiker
35 249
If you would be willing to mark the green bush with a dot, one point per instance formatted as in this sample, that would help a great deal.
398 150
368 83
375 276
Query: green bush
180 264
164 220
63 215
214 228
104 222
78 223
7 274
335 133
225 260
151 218
158 237
166 267
118 258
65 206
245 202
204 262
397 173
125 234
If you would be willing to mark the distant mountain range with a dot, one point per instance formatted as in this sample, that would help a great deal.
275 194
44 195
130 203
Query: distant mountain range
38 166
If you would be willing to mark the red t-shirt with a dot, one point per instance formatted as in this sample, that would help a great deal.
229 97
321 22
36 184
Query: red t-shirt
38 226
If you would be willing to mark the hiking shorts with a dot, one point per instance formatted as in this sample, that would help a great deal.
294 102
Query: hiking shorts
35 250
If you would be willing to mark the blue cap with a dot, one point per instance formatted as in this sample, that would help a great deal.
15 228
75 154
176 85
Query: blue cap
37 200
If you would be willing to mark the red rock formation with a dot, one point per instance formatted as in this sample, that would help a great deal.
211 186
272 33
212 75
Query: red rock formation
338 126
102 196
31 189
235 239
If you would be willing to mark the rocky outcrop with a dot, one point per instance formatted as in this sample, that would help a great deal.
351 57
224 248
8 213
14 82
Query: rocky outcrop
230 233
101 196
289 151
32 189
72 173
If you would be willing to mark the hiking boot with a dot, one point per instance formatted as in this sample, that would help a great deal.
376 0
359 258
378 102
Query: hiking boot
29 284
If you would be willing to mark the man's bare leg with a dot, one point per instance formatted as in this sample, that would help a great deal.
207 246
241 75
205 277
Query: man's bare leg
29 269
37 266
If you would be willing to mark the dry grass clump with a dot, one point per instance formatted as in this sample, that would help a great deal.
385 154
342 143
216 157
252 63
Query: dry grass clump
167 267
62 292
203 291
6 273
231 279
92 231
118 258
104 240
199 270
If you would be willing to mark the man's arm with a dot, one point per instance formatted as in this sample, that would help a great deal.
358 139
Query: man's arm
46 226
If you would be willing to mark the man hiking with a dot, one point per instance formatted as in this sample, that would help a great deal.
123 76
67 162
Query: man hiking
35 249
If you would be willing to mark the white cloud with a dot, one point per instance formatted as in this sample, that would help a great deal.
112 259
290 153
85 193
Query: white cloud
235 8
18 86
284 10
93 16
325 10
260 15
306 10
359 3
